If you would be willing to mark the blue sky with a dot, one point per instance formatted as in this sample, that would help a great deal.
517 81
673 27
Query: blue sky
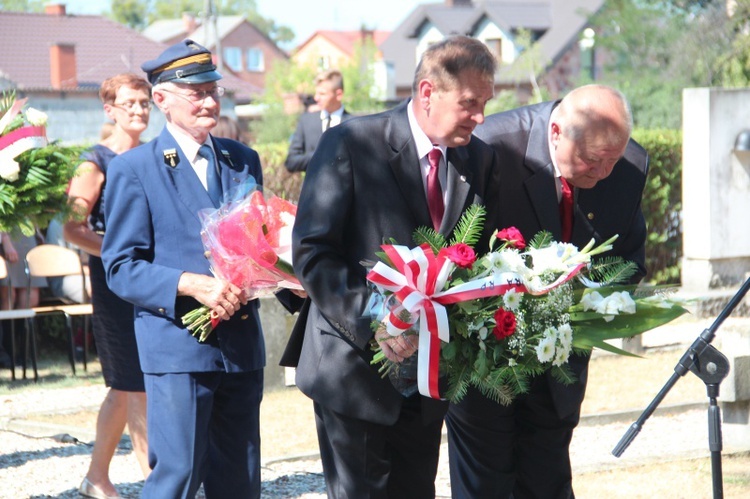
306 16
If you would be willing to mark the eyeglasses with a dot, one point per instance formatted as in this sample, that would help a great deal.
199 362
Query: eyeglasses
198 96
131 104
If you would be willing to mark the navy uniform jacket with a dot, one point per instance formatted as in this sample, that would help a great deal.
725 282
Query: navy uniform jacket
153 236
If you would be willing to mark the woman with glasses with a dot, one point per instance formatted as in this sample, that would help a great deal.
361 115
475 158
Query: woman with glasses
127 102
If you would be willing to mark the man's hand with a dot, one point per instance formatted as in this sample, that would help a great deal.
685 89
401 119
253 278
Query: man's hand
222 297
396 348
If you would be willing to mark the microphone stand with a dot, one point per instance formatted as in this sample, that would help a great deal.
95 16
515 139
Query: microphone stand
711 366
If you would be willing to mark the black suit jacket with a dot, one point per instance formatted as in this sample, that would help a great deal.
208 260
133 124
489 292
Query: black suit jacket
364 186
305 140
528 201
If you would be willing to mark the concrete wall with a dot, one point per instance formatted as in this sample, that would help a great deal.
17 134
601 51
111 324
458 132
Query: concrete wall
277 325
716 189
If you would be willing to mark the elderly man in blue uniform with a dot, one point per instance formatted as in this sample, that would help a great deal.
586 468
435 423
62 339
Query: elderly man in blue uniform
203 398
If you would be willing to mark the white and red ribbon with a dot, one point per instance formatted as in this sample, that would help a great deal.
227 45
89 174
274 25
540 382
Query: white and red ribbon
418 281
17 142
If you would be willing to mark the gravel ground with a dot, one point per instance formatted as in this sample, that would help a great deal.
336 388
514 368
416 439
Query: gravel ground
34 464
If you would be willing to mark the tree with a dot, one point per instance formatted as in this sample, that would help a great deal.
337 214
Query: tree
287 80
22 5
139 13
655 48
130 13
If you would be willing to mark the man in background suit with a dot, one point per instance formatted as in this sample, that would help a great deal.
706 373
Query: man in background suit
367 182
329 94
203 398
522 449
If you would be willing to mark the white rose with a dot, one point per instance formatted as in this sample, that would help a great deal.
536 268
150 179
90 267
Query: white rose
9 170
36 117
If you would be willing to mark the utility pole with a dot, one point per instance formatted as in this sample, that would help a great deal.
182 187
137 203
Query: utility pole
210 20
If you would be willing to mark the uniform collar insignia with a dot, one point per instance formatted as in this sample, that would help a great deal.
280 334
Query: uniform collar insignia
171 158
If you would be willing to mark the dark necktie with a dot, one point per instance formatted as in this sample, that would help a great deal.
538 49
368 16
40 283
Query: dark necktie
327 122
566 210
434 192
213 182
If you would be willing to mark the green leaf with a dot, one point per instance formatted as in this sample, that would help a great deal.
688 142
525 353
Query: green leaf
541 239
470 226
430 236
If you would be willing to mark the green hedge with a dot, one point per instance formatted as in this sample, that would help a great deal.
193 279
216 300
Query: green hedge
662 204
662 199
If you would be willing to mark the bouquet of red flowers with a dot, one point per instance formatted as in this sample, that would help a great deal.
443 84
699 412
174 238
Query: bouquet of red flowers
494 321
248 242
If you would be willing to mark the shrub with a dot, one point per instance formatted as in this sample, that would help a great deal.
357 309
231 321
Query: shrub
662 204
276 178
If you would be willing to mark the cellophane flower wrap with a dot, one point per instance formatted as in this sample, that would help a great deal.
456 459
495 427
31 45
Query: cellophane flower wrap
496 320
34 174
248 242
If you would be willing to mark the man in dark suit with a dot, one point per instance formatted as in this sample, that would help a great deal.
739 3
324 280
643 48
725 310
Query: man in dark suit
369 181
203 398
521 450
329 94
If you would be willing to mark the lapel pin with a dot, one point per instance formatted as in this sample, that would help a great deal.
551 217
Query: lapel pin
226 155
463 178
590 216
170 157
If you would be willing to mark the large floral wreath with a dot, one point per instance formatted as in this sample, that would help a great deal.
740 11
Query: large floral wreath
34 174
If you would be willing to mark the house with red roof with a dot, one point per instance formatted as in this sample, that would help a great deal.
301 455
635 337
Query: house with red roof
329 49
241 50
59 61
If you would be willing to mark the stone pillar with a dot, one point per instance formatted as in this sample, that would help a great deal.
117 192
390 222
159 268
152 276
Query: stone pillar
715 189
277 324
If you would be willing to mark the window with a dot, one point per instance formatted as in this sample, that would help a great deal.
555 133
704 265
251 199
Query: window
496 47
233 58
255 60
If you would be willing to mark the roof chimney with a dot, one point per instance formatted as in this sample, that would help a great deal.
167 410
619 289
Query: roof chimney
54 9
62 66
189 23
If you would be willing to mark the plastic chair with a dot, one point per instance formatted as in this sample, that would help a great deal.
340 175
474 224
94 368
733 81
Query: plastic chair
51 260
10 315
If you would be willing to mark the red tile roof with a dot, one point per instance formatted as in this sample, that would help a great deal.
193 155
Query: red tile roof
346 40
103 48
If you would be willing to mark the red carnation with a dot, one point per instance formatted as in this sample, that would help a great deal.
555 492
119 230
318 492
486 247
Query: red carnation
505 323
513 236
461 254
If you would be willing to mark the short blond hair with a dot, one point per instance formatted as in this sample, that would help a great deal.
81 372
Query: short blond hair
444 62
333 76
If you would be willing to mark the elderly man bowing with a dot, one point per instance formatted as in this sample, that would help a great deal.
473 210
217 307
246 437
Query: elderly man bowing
568 167
203 398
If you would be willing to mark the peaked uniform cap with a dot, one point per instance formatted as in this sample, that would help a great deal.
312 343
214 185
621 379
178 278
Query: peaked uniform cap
183 62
